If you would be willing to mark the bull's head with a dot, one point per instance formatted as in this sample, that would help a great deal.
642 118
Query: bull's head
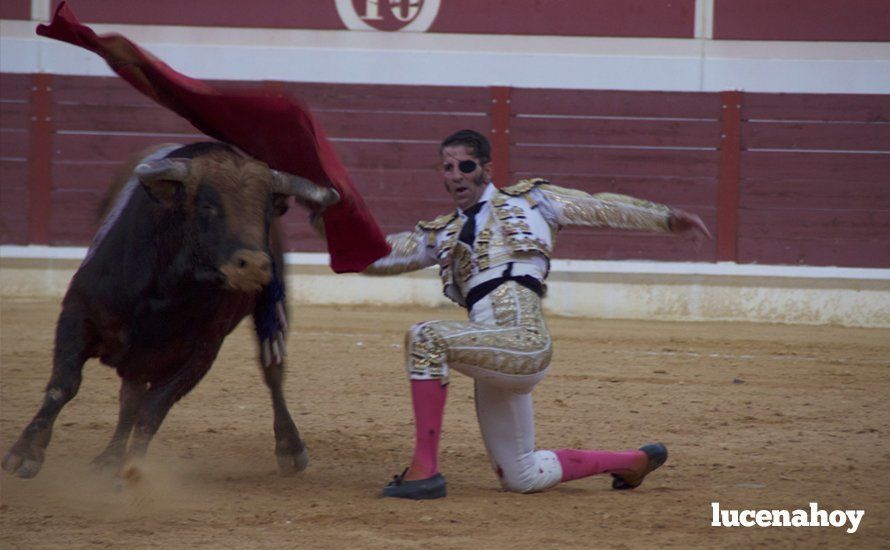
227 201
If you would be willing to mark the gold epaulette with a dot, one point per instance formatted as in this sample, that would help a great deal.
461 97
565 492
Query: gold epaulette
437 224
522 187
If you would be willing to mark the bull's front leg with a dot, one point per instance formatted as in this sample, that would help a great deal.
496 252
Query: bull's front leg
26 456
270 322
290 451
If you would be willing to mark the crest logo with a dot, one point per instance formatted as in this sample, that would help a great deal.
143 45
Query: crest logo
388 15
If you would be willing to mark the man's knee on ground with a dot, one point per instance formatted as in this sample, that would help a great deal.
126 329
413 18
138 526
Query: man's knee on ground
520 485
536 472
526 482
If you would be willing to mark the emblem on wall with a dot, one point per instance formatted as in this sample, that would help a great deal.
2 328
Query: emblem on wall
388 15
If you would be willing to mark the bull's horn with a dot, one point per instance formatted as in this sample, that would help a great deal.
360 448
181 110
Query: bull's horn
303 190
163 169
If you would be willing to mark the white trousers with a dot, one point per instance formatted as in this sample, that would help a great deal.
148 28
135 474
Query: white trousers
506 349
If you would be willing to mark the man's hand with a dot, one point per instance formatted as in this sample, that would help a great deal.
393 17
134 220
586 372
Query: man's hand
682 222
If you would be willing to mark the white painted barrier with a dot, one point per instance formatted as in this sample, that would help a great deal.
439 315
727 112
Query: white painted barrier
854 297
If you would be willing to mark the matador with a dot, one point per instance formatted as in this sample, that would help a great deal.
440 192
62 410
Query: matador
494 255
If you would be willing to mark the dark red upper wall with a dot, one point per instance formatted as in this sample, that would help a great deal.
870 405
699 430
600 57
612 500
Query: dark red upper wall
639 18
15 9
843 20
853 20
295 14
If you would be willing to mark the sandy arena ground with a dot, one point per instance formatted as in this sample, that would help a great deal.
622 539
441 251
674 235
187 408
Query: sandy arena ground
755 416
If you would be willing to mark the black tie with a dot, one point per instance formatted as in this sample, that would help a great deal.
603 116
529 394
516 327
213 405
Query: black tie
468 231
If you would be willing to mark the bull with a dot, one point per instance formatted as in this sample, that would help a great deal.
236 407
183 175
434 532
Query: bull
185 254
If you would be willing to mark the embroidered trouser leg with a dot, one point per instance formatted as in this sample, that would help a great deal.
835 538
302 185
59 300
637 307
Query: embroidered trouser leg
506 348
506 335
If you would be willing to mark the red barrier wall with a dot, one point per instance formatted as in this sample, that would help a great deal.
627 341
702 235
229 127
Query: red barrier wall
780 178
15 150
657 145
815 180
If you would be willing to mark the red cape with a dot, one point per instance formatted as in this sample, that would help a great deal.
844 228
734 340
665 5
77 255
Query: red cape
269 125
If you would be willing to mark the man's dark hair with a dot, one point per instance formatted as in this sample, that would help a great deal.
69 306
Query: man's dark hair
474 141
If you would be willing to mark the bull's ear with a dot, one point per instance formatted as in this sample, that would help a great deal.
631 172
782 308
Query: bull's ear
163 178
280 204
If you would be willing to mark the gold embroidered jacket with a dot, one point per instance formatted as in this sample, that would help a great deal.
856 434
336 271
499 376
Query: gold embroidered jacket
517 225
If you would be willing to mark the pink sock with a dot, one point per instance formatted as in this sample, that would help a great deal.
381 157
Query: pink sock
428 397
577 463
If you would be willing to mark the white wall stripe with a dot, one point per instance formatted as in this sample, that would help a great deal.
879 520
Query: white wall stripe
39 252
474 60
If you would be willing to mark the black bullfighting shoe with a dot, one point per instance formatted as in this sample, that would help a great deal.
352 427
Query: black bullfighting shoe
656 453
419 489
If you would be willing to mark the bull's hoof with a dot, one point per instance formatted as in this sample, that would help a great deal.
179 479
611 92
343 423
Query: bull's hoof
132 473
22 464
107 462
290 464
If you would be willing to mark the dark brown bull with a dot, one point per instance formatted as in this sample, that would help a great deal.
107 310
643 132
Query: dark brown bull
180 260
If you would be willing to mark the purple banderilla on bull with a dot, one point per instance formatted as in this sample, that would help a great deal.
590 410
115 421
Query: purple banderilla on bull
184 255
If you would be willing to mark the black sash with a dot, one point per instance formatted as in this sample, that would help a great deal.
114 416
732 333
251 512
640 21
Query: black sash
482 290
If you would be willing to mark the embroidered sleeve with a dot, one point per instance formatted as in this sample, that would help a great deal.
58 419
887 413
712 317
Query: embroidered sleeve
410 251
562 206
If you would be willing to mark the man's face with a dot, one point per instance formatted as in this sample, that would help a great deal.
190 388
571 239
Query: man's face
465 188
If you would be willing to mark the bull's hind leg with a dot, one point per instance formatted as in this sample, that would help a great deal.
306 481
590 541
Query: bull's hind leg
131 396
160 397
73 334
290 451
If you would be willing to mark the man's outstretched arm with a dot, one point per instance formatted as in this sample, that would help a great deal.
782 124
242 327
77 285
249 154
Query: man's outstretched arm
410 252
563 206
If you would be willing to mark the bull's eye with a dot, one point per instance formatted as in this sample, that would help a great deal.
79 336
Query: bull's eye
209 210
